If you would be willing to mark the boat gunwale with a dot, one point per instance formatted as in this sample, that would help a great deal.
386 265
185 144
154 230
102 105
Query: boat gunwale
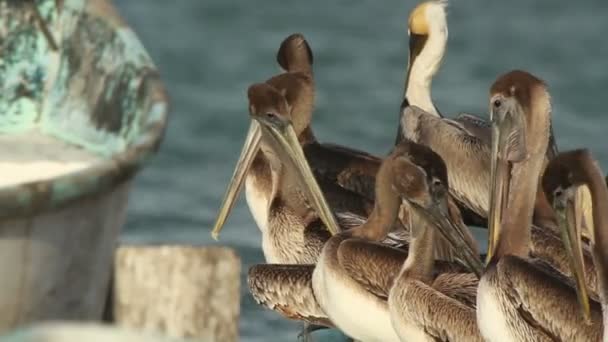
37 196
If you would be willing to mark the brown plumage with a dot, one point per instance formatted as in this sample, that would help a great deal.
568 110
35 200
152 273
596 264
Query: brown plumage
464 144
468 157
371 265
297 91
520 299
538 304
332 164
273 197
345 175
295 54
294 234
567 172
353 266
350 169
287 289
462 151
425 306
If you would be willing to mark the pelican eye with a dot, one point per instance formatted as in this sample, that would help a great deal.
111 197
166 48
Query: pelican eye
558 193
437 187
497 103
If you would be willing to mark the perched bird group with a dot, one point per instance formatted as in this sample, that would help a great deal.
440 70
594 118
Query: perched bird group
379 247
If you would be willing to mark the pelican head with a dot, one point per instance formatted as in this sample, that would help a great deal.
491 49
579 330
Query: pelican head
295 54
428 34
428 17
283 106
271 109
562 177
520 113
421 179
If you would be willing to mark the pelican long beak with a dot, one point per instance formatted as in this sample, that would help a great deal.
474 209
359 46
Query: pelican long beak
250 148
499 178
286 141
583 210
454 233
569 219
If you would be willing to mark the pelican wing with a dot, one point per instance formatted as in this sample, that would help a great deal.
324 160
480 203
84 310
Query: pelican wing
398 237
545 301
287 289
481 128
548 246
459 286
351 169
344 200
437 314
476 126
373 265
466 155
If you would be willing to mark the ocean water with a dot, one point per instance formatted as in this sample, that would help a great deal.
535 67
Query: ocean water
209 52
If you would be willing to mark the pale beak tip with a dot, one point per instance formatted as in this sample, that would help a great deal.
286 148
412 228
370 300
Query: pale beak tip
215 235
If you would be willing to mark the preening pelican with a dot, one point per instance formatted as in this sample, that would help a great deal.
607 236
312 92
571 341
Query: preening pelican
519 298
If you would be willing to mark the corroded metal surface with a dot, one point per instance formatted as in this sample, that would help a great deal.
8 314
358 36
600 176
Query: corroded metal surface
98 90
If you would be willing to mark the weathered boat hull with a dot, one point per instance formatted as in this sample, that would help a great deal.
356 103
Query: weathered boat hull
74 71
57 264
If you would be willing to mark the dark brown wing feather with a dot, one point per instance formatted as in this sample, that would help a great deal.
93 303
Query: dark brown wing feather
464 144
375 266
439 315
345 200
547 246
482 128
287 289
467 157
371 264
476 126
459 286
351 169
545 302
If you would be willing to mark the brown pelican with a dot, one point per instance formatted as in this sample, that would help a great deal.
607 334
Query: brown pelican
519 298
461 141
351 279
564 175
428 34
339 170
252 165
287 289
468 157
422 305
293 233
